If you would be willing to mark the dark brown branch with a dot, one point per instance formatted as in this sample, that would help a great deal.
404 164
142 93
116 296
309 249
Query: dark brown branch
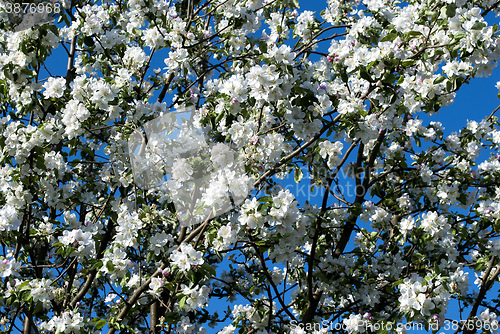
485 286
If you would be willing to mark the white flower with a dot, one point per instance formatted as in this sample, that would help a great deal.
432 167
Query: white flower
158 241
222 156
432 223
9 218
186 258
110 297
41 290
153 38
427 306
332 151
73 115
197 296
235 87
354 324
68 322
135 57
181 170
227 234
54 87
406 224
76 236
177 59
155 285
5 268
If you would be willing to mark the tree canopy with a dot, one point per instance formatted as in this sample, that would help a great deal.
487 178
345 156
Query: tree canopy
146 178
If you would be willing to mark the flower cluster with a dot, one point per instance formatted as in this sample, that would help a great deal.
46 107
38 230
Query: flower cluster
186 257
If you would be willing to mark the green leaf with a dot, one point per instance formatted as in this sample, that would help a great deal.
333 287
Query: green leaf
150 256
262 207
297 175
390 78
363 74
190 276
54 30
38 308
356 209
265 199
414 33
459 35
389 38
458 83
100 324
24 286
26 296
408 62
262 46
171 317
123 281
209 269
449 86
88 41
439 80
97 265
110 266
219 117
182 302
449 11
344 77
478 25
